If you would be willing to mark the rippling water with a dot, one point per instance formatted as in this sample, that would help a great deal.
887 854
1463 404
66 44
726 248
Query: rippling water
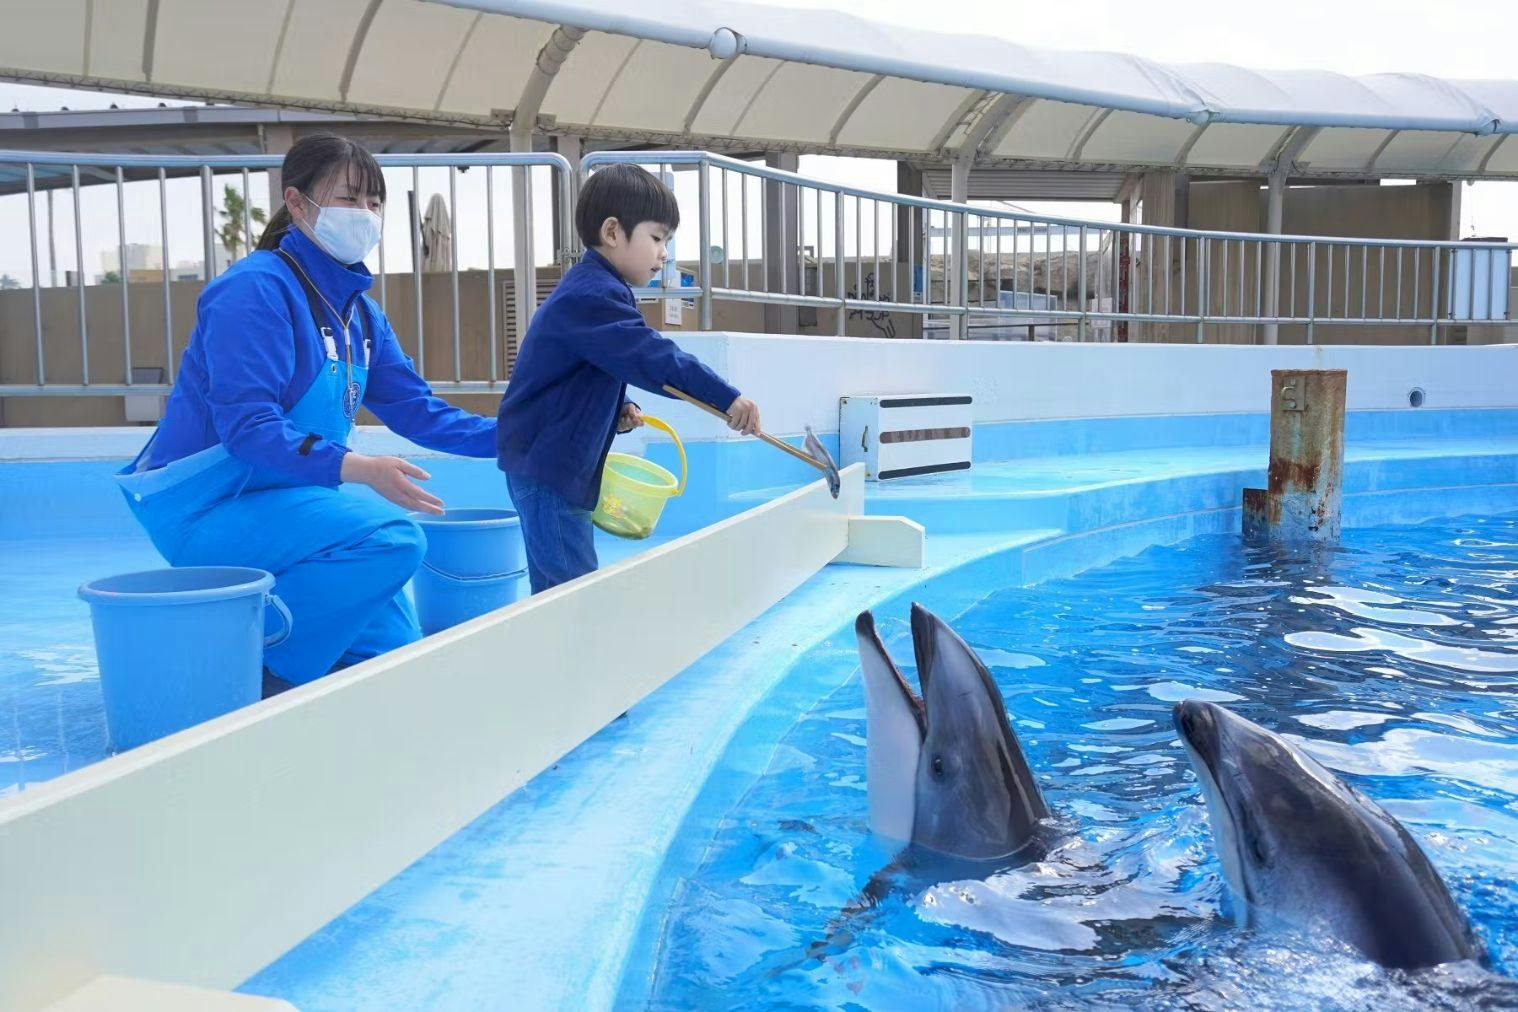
1393 659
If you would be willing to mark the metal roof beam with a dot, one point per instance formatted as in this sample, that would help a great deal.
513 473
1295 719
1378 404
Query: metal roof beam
1185 152
712 80
964 109
757 92
357 47
550 60
1370 166
854 103
453 65
1287 149
1481 169
1001 112
149 40
1092 126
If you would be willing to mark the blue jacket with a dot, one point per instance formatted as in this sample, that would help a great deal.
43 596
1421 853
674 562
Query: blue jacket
586 343
255 351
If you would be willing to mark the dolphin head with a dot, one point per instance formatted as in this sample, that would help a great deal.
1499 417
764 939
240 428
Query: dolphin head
945 771
1297 842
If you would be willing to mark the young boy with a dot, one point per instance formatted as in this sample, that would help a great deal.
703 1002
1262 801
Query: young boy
567 397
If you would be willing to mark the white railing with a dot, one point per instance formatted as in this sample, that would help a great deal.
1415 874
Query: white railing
224 233
823 257
975 268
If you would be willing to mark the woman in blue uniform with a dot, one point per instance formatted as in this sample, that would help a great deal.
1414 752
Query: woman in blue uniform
244 469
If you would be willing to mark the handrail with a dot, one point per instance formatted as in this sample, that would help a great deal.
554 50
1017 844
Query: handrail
1210 277
871 259
123 170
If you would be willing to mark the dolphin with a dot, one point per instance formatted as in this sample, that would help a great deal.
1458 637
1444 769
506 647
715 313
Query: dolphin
1298 842
944 771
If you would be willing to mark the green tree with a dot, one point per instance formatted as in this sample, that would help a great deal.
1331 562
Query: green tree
7 282
110 278
231 214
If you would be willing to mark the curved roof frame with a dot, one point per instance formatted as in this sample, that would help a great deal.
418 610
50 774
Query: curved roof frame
812 81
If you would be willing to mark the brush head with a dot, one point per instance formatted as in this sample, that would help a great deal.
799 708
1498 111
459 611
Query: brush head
820 454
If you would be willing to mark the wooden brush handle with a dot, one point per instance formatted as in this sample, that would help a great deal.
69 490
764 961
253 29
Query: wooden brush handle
776 443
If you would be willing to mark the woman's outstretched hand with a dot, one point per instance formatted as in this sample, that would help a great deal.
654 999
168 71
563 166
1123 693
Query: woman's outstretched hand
391 478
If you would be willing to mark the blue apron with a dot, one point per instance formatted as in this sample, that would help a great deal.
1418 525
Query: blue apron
211 508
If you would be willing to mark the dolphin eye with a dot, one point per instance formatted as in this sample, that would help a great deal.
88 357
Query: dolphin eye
938 771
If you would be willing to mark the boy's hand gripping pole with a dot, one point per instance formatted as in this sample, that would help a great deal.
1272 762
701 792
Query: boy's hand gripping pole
816 454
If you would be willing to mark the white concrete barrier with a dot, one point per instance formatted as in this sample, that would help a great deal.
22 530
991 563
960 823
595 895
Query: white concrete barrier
797 381
200 858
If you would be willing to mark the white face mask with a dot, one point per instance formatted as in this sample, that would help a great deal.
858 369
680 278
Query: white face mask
348 234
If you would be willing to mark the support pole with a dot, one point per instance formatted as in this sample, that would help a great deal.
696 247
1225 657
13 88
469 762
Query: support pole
524 271
277 140
572 148
1303 500
911 253
1274 213
958 278
780 245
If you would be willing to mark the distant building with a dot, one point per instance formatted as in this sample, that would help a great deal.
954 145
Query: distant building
139 257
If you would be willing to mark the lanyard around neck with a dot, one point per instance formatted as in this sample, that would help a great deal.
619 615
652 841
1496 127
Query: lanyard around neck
345 324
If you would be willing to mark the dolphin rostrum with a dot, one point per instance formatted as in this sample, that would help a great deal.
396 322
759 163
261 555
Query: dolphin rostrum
1298 842
944 771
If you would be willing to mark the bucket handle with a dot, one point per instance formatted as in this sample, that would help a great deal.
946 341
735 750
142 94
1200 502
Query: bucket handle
461 578
274 640
664 426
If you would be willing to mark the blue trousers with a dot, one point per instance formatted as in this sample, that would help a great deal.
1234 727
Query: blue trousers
558 536
340 564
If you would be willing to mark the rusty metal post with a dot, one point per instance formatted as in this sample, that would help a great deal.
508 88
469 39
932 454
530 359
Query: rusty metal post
1303 500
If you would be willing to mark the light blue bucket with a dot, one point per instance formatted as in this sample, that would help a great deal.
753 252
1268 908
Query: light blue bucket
475 563
179 646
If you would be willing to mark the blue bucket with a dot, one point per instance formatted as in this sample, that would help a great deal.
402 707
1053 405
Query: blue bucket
475 563
179 646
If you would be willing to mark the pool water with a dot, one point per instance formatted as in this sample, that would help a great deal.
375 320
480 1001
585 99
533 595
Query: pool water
1393 659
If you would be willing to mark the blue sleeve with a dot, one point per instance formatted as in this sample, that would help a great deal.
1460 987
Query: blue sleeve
403 401
608 331
249 345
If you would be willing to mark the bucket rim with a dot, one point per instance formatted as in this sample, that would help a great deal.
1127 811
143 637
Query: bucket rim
241 581
500 518
667 483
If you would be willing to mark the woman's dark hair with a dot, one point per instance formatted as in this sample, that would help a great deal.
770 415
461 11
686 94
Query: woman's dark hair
307 163
627 193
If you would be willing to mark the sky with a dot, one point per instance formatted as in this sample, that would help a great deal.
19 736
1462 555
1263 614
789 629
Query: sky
1457 39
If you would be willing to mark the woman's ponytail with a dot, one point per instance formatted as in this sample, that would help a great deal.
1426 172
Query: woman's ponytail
278 225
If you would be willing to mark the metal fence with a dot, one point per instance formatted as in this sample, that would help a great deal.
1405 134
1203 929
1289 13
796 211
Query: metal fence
971 269
765 235
828 251
227 231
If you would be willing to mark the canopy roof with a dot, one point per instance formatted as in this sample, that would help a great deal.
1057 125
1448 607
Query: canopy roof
728 75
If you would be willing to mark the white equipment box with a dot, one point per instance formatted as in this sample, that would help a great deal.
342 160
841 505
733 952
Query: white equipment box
900 435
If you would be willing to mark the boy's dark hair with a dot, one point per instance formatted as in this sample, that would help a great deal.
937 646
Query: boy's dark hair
627 193
308 162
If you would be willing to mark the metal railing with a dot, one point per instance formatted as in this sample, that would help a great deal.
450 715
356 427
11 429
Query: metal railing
231 228
802 225
968 268
844 259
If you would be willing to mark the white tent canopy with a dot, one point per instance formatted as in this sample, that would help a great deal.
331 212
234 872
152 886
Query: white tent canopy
734 75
